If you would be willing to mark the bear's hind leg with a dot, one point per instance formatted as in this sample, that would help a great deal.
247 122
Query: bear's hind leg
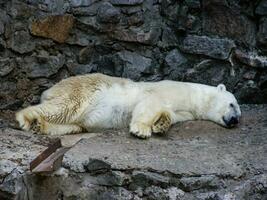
56 129
28 116
37 116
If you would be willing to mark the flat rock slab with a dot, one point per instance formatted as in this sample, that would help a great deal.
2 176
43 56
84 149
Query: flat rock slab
20 147
17 150
197 154
191 148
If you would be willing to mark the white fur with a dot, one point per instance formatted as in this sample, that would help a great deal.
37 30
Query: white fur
120 102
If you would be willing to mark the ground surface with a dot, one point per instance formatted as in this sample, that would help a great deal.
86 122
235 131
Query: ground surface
195 160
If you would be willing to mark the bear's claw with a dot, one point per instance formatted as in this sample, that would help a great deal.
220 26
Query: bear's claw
141 130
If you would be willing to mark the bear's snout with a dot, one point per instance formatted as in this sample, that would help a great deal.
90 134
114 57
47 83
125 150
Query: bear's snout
232 121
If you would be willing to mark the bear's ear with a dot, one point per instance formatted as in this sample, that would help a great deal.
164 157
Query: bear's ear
221 87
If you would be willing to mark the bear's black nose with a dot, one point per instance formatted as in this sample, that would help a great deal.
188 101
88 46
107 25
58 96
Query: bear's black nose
232 121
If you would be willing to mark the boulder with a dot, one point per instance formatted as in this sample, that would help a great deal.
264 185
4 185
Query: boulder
137 35
21 42
175 65
203 45
195 183
43 65
251 59
107 13
145 179
79 69
261 9
133 64
6 66
227 21
55 27
53 6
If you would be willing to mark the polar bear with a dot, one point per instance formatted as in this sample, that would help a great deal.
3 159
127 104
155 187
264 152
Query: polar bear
93 101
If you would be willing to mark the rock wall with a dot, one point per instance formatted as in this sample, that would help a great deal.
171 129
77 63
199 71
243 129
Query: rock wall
205 41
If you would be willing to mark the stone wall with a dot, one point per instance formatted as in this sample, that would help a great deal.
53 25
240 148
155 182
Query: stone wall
205 41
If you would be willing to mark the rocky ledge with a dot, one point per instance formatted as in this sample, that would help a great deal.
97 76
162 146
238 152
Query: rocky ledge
195 160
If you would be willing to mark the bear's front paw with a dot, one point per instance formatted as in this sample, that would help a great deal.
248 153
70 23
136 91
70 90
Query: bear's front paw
140 130
161 123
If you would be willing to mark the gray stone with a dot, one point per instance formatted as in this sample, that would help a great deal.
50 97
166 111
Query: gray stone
252 187
175 65
126 2
79 69
212 72
251 59
87 11
107 13
22 42
54 6
2 27
189 184
17 150
133 64
261 9
193 4
250 92
250 75
43 66
155 193
213 196
21 10
114 194
129 10
2 44
6 66
96 164
137 35
171 11
145 179
6 167
212 47
174 59
110 65
169 39
262 33
85 55
113 178
11 104
90 23
4 17
8 100
81 3
136 19
80 38
174 193
226 21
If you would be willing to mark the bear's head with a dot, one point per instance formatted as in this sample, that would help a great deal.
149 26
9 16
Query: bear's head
223 108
